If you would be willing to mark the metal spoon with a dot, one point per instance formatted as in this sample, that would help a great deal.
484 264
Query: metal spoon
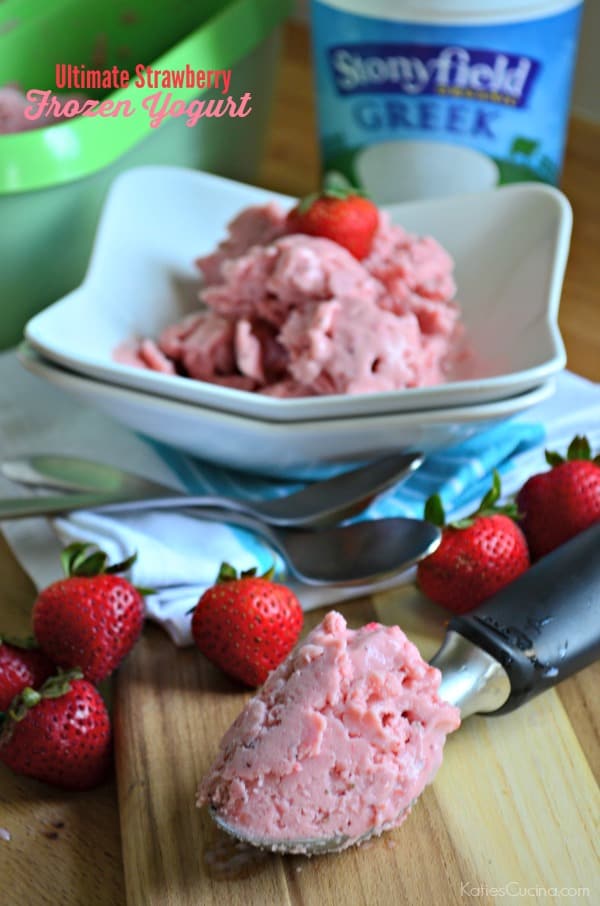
358 554
111 490
534 633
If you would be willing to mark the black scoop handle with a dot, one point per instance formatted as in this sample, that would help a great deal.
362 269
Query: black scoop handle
544 626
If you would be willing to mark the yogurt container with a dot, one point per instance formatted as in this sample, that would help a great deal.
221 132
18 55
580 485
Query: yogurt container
421 98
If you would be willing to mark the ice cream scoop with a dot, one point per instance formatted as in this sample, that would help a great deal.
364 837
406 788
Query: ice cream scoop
308 769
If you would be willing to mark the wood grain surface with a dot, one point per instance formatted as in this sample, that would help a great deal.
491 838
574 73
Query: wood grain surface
503 810
514 802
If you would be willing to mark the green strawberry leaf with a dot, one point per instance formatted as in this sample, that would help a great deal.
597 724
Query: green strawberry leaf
434 511
336 183
467 522
71 554
93 565
57 685
333 179
80 558
77 561
489 505
30 696
336 193
28 643
492 496
227 573
22 702
579 448
248 573
507 509
305 203
268 575
123 566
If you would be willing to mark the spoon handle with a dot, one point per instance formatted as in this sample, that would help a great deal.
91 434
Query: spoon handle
177 501
25 507
48 505
545 625
51 505
275 537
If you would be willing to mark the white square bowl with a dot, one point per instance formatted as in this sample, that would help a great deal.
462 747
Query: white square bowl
510 247
288 449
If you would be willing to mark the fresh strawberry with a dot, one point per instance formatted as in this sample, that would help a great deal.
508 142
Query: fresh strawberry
60 734
21 664
91 619
477 556
558 504
246 625
340 213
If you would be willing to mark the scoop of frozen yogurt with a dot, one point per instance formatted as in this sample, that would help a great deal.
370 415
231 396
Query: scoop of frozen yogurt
339 742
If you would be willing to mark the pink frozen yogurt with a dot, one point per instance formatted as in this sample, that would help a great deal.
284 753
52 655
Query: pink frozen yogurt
13 103
340 741
294 315
12 110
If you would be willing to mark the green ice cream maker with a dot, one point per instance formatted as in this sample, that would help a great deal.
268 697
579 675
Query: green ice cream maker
53 180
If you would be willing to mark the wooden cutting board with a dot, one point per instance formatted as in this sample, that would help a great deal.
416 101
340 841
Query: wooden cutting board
512 806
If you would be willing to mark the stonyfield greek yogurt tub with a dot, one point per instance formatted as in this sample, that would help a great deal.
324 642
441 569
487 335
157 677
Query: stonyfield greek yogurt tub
430 98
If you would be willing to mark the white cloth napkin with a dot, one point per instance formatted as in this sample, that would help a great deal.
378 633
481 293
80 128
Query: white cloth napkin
178 555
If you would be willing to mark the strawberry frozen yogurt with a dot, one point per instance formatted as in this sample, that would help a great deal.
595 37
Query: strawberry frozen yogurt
339 742
12 110
289 315
13 103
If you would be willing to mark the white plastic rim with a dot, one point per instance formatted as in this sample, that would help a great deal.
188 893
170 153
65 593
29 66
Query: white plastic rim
398 171
449 12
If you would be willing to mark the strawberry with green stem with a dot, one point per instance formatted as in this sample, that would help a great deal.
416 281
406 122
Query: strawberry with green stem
558 504
341 213
477 556
92 618
246 624
59 734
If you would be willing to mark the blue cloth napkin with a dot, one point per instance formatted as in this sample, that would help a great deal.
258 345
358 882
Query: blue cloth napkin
461 474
